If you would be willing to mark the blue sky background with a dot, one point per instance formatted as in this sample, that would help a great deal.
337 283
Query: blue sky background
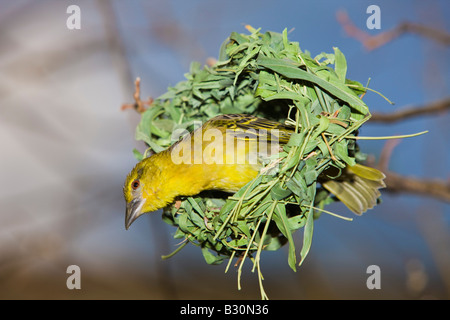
67 142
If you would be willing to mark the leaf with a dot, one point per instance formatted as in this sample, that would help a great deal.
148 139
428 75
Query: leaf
329 58
195 205
335 129
145 129
283 225
242 225
310 176
174 112
296 187
307 235
296 139
340 64
323 148
291 160
356 86
274 243
184 223
244 62
324 122
139 156
286 95
196 217
211 258
291 70
223 51
279 193
297 222
341 151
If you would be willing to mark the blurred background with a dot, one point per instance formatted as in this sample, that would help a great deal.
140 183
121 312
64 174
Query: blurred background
66 147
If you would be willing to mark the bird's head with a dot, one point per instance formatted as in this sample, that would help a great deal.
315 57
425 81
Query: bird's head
142 190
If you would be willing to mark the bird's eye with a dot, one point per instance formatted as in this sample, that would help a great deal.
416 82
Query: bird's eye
135 184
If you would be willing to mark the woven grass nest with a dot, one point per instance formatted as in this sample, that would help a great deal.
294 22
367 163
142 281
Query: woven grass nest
262 74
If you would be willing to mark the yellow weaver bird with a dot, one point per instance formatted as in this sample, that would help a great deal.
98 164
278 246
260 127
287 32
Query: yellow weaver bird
212 158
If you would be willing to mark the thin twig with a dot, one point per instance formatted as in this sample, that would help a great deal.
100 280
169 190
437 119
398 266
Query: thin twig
328 147
138 105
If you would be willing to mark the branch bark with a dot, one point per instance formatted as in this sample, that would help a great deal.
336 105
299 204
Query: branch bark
409 112
434 188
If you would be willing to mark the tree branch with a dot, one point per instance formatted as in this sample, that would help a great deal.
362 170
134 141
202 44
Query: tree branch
434 188
396 183
409 112
438 35
373 42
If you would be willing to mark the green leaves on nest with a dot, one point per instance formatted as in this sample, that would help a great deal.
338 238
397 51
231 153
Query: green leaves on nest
265 75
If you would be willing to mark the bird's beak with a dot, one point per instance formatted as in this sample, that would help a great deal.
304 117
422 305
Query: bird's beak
133 211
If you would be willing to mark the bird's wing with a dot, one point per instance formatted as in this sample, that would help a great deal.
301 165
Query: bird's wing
357 188
243 126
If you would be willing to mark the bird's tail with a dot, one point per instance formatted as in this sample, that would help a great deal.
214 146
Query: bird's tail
359 190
